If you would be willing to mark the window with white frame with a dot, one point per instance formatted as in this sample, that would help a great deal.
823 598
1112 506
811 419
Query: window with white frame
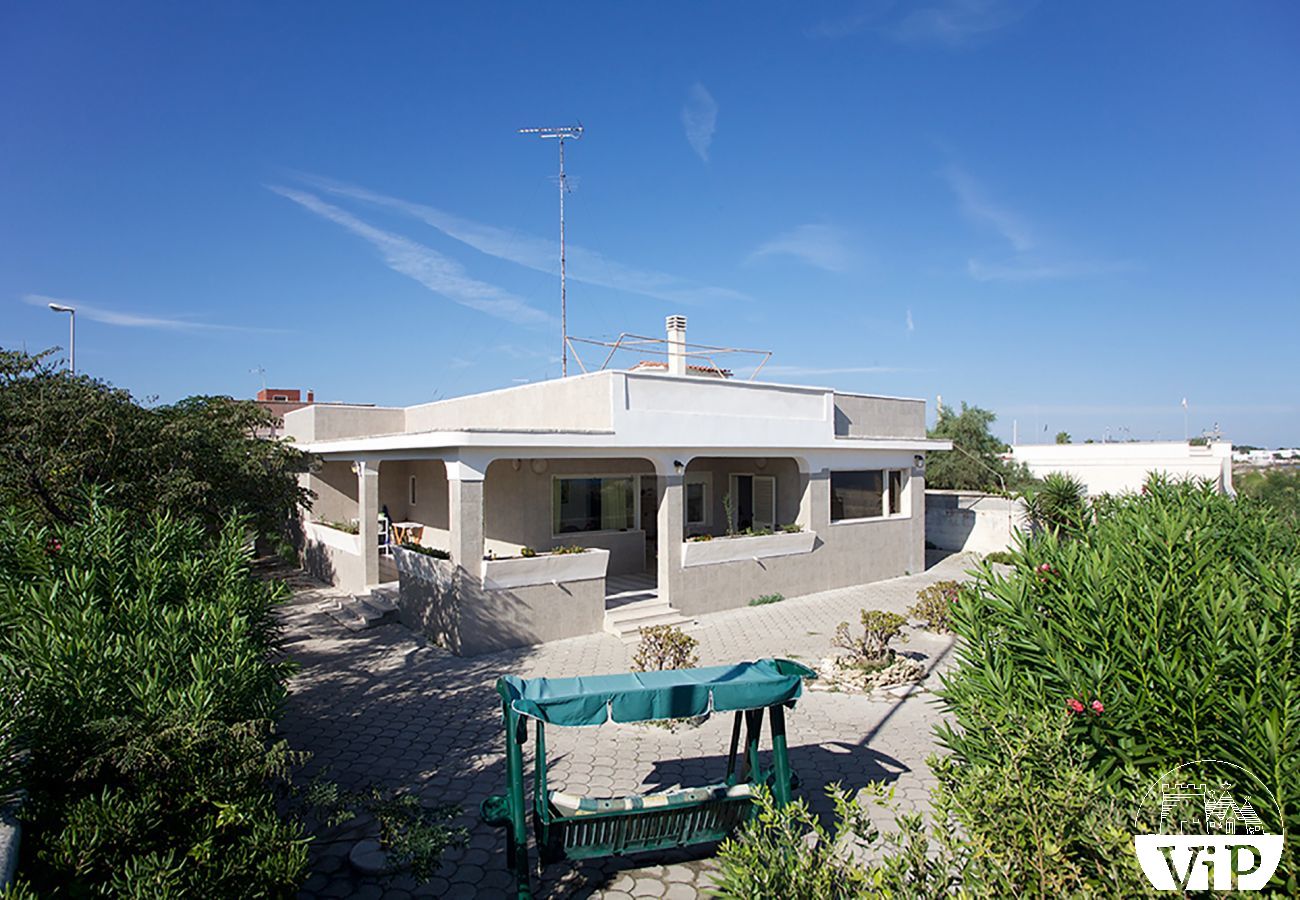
698 500
867 494
592 503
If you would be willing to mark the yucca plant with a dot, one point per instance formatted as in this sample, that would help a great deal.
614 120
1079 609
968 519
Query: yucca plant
1059 504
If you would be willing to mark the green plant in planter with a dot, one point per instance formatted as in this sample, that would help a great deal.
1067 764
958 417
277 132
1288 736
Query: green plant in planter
527 552
435 552
564 551
729 512
792 528
766 599
346 527
871 648
700 538
934 605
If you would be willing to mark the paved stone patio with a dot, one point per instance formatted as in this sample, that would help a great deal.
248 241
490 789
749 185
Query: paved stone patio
383 707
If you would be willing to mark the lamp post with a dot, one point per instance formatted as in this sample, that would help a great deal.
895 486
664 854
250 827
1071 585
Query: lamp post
72 334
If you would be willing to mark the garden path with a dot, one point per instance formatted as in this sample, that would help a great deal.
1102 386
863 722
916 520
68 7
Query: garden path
383 707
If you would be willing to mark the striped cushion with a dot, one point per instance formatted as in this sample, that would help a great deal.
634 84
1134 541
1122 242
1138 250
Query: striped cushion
569 805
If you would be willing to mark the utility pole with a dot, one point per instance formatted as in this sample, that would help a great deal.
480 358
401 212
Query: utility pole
72 333
561 134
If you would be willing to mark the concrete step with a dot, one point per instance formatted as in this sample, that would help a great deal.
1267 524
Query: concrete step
625 622
638 610
361 613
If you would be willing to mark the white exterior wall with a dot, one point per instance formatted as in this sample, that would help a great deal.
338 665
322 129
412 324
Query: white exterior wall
1122 467
966 521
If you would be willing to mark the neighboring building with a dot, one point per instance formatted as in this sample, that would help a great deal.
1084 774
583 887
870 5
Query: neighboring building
1114 468
631 464
280 401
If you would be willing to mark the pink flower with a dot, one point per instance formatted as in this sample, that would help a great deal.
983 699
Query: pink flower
54 546
1097 708
1074 706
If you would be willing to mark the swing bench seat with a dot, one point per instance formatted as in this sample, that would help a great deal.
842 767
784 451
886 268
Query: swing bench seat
575 827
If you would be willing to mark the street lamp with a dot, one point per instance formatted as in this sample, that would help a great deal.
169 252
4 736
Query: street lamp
72 334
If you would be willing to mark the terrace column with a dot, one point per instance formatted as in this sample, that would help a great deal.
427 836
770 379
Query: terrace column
672 523
368 518
465 515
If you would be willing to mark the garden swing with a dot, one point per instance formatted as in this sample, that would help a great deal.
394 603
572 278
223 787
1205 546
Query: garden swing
572 827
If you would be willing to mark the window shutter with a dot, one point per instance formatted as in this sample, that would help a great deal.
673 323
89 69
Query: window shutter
764 501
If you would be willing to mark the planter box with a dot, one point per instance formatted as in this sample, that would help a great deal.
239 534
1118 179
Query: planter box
332 537
503 574
422 567
738 549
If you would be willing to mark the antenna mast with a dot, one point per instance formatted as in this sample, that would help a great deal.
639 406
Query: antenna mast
560 134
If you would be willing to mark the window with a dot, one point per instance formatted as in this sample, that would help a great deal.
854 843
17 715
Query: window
857 495
412 490
592 504
895 492
697 499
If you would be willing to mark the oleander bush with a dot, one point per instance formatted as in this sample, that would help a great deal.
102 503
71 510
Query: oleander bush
1177 611
138 659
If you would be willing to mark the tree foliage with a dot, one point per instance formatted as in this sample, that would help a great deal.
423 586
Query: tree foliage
138 665
1276 489
61 434
975 463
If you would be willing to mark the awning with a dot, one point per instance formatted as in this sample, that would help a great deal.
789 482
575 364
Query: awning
647 696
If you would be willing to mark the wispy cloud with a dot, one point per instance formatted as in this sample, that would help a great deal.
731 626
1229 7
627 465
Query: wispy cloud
976 205
911 326
135 320
540 254
425 265
832 370
1030 259
1028 271
949 23
700 119
821 246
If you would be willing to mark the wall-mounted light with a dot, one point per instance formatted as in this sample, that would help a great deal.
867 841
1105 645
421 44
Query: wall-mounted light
918 461
678 466
515 464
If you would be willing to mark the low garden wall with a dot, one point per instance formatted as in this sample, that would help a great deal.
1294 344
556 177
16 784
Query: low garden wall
967 521
455 611
334 556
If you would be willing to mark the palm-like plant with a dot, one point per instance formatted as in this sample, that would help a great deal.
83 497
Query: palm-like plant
1059 504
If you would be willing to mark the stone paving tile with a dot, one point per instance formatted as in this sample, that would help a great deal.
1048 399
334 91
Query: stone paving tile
383 707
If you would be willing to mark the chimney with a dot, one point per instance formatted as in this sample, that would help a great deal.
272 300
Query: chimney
676 345
311 396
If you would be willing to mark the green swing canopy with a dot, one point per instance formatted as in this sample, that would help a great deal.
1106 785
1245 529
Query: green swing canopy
647 696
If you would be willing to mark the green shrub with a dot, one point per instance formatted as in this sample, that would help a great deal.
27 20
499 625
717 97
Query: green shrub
435 552
527 552
1278 489
1179 610
879 627
563 551
700 538
786 852
792 528
664 647
144 654
934 605
766 599
1001 557
1040 824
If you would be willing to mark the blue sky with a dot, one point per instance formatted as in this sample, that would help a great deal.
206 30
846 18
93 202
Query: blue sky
1072 214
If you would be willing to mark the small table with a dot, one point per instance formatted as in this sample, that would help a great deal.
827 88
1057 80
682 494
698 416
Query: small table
407 532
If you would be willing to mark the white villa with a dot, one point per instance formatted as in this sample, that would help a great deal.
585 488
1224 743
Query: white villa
648 470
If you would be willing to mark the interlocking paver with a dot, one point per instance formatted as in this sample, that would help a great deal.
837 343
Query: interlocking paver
381 707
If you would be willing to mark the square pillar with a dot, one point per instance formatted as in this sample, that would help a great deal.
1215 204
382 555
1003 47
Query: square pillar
465 519
815 504
368 519
672 525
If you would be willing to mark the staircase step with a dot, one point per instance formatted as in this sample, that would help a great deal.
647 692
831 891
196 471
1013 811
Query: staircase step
630 631
635 611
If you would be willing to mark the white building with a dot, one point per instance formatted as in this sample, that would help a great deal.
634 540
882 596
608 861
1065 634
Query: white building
648 470
1114 468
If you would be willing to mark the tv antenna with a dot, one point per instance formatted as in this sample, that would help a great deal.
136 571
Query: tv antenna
560 135
259 370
